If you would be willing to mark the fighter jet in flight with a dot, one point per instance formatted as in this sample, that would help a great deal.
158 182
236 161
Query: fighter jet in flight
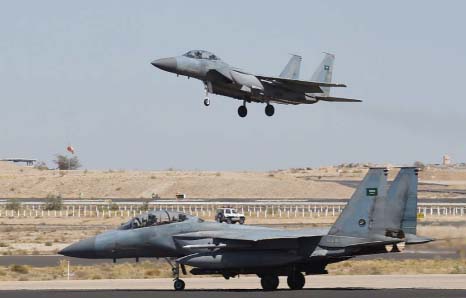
220 78
376 220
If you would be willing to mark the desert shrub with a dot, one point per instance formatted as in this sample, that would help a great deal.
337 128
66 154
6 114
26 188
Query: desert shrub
53 202
48 243
113 207
13 204
67 163
41 166
144 206
21 269
152 272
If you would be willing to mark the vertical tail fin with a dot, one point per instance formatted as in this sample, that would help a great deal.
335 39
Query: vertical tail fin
292 69
398 211
409 220
355 218
323 73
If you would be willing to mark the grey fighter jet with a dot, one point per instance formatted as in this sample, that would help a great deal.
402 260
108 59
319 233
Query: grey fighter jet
376 220
220 78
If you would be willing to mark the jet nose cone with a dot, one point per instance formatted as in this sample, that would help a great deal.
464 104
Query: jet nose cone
168 64
82 249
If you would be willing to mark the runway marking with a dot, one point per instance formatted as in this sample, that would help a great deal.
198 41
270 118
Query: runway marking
426 281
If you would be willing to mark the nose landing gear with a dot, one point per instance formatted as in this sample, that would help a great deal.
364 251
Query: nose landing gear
207 88
178 283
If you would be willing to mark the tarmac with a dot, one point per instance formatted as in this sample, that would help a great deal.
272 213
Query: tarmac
307 293
422 281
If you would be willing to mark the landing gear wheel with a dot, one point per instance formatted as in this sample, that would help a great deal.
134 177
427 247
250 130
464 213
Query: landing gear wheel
242 111
269 282
178 285
206 101
269 110
296 281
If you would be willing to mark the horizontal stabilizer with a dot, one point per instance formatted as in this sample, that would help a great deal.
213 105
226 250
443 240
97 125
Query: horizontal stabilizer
336 99
414 239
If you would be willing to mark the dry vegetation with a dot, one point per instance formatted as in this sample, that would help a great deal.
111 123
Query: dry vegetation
414 266
325 182
153 269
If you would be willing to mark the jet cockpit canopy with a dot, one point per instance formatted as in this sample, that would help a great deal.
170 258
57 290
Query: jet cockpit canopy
155 218
201 54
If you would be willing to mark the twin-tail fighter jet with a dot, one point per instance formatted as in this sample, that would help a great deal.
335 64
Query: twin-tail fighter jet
220 78
376 220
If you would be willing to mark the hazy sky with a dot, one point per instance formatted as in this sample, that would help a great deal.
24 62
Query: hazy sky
79 73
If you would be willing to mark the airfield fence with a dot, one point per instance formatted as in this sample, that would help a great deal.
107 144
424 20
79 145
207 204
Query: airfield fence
274 209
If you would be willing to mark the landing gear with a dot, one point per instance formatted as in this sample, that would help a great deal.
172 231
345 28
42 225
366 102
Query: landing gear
178 284
269 282
242 110
269 110
296 281
207 88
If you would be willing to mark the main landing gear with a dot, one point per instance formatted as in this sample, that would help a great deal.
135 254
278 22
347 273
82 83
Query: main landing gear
269 282
295 281
242 110
178 284
269 110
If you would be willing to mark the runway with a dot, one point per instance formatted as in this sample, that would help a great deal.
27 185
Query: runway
251 283
321 293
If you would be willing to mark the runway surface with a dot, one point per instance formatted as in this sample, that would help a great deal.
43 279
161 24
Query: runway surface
308 293
361 286
250 282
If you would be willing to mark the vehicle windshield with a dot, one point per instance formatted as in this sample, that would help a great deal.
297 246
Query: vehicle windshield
200 54
156 218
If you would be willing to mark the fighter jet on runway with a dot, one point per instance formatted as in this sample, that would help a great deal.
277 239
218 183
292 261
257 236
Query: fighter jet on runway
374 221
223 79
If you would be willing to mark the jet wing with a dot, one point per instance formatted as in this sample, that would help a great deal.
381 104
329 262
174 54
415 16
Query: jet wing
298 85
336 99
253 236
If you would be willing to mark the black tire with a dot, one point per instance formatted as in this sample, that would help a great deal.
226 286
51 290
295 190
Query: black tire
229 221
241 220
179 285
296 281
269 282
207 102
269 110
242 111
